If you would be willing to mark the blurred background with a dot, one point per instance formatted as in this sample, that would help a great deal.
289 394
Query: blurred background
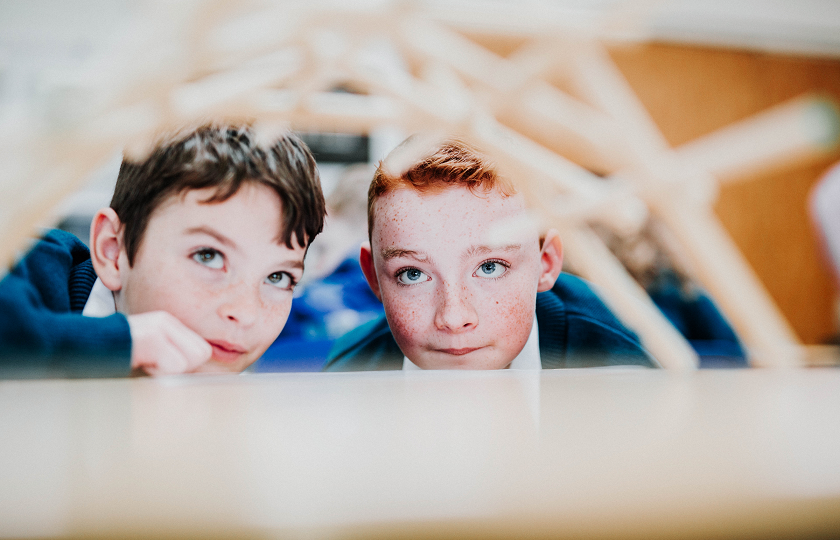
695 66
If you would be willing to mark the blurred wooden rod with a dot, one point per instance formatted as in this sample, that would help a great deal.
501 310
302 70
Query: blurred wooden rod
568 126
543 175
45 188
720 266
790 132
628 300
496 138
717 263
521 99
596 77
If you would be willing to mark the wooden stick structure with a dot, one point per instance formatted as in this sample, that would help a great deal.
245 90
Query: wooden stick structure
586 154
720 267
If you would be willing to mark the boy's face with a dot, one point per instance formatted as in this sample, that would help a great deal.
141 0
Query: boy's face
455 296
219 268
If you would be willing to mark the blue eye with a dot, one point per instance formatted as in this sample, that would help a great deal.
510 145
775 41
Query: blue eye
210 258
281 280
490 269
411 276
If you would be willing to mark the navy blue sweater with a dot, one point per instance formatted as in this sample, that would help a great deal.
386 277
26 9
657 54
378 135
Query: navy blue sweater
575 327
42 330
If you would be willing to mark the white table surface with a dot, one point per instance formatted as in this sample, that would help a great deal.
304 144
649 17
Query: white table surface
565 453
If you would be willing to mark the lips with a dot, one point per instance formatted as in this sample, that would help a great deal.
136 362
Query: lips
224 351
459 352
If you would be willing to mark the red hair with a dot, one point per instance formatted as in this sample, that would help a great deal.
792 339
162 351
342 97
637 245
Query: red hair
453 164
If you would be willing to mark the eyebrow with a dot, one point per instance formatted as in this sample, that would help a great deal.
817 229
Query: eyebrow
295 263
393 253
484 250
214 233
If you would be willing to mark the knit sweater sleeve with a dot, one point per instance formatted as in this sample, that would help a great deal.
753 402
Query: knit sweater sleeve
578 330
42 330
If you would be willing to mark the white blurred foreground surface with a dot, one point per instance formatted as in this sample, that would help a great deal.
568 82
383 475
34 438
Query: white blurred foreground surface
572 453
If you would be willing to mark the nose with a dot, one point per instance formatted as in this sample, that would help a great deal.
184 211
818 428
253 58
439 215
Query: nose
455 312
240 304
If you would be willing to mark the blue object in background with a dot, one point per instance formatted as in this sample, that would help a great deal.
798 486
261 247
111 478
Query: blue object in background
324 311
697 318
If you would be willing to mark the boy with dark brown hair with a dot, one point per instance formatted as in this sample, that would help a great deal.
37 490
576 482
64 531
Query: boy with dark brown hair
191 268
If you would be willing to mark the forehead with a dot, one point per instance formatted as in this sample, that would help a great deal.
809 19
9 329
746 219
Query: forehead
252 213
449 215
197 203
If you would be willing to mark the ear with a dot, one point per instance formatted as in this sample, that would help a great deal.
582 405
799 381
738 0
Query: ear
106 246
366 262
551 260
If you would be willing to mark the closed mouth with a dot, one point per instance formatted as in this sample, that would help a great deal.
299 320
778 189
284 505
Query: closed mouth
459 352
226 352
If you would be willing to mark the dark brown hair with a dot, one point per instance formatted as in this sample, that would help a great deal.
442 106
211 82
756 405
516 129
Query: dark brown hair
224 158
452 164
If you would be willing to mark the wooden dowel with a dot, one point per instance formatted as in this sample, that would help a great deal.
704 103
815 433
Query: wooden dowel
540 173
49 183
532 106
571 128
628 300
718 264
721 268
790 132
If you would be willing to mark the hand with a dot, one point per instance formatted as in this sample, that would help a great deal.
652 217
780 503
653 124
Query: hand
162 345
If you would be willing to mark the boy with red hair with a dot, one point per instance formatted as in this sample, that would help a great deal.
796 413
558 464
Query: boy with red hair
463 288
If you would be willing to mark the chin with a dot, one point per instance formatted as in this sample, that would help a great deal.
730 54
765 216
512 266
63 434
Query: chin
216 366
475 360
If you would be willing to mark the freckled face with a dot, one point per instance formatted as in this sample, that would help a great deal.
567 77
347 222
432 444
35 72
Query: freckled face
219 268
454 297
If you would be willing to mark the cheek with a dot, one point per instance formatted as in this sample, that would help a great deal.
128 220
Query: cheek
407 317
177 289
512 316
190 300
149 290
274 314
